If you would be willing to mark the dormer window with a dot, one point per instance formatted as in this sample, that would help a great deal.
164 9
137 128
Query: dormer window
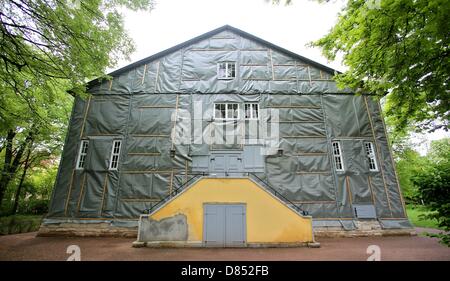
226 70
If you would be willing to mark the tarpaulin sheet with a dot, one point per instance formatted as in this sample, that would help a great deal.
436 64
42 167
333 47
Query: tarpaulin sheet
143 105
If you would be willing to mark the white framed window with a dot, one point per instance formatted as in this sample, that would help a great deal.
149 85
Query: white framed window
226 111
82 154
115 153
337 156
251 110
370 152
226 70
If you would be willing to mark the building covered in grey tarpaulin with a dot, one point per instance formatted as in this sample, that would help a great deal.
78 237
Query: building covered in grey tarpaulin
331 157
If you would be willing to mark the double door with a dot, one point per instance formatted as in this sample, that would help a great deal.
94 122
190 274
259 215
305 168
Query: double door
224 225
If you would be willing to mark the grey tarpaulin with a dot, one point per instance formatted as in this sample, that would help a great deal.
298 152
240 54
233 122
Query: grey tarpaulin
392 224
136 107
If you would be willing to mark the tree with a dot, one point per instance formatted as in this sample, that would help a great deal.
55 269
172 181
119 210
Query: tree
409 164
26 165
72 40
49 47
30 137
398 49
433 184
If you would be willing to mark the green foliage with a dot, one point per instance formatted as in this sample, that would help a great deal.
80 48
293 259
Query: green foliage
19 224
434 186
72 40
416 215
39 190
409 164
50 47
399 48
36 191
440 151
42 133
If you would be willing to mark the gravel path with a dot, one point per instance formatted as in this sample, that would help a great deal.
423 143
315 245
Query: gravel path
28 247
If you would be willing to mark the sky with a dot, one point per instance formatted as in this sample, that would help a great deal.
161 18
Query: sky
291 27
175 21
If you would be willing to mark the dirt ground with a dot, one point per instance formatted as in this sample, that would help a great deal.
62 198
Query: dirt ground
28 247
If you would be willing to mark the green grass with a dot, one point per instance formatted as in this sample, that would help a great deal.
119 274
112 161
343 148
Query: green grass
414 212
19 224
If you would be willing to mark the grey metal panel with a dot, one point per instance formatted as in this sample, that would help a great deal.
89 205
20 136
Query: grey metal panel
345 224
250 160
214 225
218 163
200 163
226 163
224 225
235 225
253 158
348 224
364 211
326 223
234 163
393 224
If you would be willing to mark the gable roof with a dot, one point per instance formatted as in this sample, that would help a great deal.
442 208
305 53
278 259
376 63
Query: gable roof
205 36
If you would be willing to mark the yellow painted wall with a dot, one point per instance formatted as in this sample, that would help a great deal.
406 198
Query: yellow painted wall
268 219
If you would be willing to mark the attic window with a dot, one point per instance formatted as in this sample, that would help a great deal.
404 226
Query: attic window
82 154
226 70
371 156
115 153
337 155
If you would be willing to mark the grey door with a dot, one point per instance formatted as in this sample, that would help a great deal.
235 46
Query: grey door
224 225
226 163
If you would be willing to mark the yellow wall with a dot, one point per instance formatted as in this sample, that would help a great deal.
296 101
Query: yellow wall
268 219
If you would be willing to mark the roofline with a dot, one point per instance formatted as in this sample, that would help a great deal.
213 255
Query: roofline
209 34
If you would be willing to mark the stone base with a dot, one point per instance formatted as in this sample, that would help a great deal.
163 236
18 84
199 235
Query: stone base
167 244
363 229
86 230
188 244
357 233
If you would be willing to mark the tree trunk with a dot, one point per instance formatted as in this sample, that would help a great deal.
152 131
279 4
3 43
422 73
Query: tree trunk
19 188
10 168
4 179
